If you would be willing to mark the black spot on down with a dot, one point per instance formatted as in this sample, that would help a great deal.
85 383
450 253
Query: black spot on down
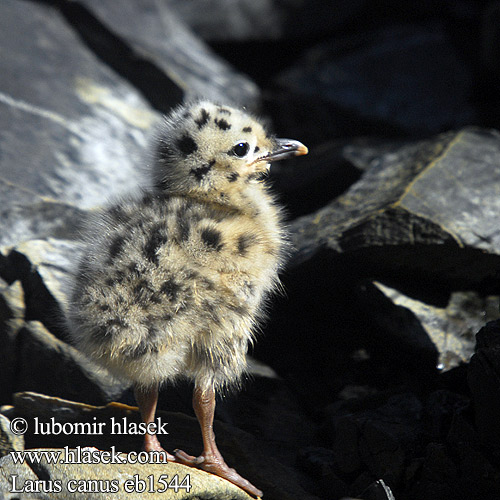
212 238
187 145
201 172
203 119
116 246
244 242
171 289
222 124
155 241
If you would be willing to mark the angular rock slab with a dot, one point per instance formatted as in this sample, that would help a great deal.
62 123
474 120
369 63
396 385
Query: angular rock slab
429 208
70 128
452 329
155 33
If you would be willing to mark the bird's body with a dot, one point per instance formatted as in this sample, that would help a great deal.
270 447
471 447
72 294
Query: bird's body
173 281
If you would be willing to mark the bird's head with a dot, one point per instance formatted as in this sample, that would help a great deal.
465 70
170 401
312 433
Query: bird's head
204 147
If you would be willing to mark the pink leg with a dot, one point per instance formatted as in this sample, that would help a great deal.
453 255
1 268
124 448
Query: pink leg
211 460
147 400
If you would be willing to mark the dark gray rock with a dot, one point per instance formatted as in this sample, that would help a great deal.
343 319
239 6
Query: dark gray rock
259 20
45 269
444 473
24 474
385 78
71 129
46 364
377 491
12 313
155 34
27 215
72 133
427 213
484 383
374 438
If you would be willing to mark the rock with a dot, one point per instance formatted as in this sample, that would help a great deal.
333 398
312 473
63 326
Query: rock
444 416
424 213
245 20
23 474
446 474
171 46
8 440
377 491
325 173
45 269
12 313
452 329
319 463
76 134
484 383
154 481
29 216
409 94
48 365
374 438
240 449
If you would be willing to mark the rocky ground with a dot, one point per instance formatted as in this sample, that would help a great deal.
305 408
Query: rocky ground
377 376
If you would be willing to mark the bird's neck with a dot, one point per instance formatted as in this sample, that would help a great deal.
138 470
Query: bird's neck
251 199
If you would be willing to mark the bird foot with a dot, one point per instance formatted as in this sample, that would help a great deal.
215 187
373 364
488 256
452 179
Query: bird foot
151 443
216 465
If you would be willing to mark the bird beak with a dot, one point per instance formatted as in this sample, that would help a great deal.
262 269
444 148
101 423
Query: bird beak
285 148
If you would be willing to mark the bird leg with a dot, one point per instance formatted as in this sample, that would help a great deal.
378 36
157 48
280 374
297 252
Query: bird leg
211 460
147 400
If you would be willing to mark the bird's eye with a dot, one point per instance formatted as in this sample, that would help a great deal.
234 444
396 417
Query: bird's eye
241 149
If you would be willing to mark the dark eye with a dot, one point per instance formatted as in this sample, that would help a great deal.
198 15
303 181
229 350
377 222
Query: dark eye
241 149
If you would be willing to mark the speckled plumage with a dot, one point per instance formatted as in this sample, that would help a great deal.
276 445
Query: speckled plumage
173 281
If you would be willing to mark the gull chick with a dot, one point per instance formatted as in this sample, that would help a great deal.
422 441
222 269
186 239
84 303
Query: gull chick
173 282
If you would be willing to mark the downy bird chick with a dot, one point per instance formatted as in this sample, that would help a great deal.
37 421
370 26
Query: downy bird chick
172 283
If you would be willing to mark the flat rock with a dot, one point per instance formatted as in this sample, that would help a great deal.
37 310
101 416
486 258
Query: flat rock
74 135
69 139
170 45
426 212
28 216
